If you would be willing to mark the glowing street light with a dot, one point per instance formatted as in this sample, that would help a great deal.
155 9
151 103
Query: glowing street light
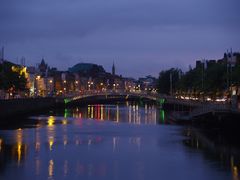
38 77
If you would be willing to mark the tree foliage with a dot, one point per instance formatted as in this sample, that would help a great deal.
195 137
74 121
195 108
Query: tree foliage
165 77
10 79
211 79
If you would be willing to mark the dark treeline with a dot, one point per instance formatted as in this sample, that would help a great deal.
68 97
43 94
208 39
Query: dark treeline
212 78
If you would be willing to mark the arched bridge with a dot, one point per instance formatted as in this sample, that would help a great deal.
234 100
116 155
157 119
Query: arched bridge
110 96
113 96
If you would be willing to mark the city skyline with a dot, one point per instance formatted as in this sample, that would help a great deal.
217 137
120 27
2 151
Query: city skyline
141 37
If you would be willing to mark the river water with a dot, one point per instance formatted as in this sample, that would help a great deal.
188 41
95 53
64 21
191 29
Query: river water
111 142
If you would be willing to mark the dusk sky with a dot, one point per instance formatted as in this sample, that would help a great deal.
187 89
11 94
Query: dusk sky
142 37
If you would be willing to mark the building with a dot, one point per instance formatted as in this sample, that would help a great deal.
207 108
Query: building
43 68
129 84
210 63
148 83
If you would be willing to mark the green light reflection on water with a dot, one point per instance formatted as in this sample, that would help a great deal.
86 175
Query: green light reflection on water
162 116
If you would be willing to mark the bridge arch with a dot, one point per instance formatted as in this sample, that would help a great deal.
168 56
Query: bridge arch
108 98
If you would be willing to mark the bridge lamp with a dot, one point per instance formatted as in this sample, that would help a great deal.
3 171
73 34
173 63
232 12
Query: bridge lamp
64 81
50 81
76 82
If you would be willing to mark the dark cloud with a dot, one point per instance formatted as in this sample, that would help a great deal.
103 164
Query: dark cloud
163 33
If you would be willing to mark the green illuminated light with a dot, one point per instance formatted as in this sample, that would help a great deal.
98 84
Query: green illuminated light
66 101
66 113
162 101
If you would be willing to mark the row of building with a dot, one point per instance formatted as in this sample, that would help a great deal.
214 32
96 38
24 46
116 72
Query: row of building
229 58
44 81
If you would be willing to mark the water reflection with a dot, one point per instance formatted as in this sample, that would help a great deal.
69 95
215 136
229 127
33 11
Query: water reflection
129 112
51 131
37 166
228 156
15 152
162 116
37 140
65 168
19 149
50 169
1 141
71 145
57 128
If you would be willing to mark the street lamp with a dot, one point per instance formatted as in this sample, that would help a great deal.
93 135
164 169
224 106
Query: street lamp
37 85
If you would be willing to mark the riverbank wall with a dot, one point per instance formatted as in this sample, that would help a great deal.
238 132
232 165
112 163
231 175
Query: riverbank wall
17 107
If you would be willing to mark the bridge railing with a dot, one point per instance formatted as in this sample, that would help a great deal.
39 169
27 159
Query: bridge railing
112 93
210 108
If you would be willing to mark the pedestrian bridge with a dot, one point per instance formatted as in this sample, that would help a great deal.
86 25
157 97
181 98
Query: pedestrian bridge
109 95
92 97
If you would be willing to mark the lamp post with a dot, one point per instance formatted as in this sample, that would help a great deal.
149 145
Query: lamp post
76 86
37 84
50 87
64 87
114 86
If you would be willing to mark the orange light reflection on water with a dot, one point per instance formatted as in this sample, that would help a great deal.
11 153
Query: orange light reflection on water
51 131
50 169
19 145
1 141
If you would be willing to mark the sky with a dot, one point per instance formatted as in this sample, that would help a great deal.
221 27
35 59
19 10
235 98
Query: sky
142 37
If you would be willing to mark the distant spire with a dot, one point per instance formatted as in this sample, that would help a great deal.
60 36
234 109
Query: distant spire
42 61
113 69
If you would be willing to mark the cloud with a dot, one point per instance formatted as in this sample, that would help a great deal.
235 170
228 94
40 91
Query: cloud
140 31
78 18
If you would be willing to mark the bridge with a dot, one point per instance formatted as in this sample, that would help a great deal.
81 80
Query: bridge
112 95
209 113
160 99
185 110
194 109
22 106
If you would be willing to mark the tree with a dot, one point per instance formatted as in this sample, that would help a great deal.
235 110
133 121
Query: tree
166 77
12 80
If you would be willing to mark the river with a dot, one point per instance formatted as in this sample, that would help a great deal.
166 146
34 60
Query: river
111 142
